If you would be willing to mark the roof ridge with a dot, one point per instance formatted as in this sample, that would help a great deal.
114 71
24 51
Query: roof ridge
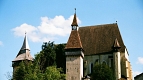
99 25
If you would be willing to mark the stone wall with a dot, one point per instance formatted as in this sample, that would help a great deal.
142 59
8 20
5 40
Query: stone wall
74 68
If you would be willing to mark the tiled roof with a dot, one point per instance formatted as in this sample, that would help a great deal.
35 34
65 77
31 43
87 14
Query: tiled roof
74 40
74 23
100 38
23 55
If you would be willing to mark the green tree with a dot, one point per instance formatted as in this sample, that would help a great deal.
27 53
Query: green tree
102 72
47 56
53 73
60 56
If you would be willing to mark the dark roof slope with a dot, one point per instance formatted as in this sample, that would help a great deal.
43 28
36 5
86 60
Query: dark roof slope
74 40
100 38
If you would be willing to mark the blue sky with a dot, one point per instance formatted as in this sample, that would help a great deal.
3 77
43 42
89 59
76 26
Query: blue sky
45 20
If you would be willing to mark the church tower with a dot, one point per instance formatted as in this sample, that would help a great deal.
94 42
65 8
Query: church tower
117 58
74 54
24 54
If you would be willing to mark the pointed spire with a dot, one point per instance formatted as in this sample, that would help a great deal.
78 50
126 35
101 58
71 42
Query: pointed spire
74 23
116 45
25 43
24 53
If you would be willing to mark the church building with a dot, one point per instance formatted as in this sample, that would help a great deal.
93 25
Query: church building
88 45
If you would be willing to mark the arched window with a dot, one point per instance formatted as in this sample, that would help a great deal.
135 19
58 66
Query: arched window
91 68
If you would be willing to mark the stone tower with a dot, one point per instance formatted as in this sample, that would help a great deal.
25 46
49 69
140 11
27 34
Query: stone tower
24 54
74 54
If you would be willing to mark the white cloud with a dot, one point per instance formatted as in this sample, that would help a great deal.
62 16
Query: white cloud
1 43
47 30
140 60
136 73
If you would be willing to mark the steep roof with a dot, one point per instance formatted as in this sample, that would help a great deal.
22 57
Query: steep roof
74 23
100 38
24 53
74 41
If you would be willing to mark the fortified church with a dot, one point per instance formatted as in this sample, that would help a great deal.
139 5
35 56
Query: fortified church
86 46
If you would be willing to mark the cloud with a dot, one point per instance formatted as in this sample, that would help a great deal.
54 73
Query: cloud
135 73
140 60
48 30
1 43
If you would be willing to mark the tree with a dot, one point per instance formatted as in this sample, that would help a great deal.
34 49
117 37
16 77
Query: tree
47 56
102 72
53 73
60 56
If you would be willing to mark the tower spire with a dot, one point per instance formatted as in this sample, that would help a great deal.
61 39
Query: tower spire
24 53
74 23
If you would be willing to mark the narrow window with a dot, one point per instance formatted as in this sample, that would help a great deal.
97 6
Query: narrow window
91 67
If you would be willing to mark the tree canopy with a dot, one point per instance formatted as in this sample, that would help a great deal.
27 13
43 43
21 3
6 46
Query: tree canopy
102 72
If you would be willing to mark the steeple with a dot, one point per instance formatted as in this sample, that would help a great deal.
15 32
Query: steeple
24 53
74 23
25 43
74 41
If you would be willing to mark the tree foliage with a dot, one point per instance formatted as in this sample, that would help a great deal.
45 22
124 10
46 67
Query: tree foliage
60 56
102 72
47 56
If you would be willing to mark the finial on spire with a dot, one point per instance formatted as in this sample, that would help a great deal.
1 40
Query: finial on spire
74 23
75 10
25 32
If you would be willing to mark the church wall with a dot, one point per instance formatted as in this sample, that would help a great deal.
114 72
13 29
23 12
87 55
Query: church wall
123 65
126 54
90 60
126 69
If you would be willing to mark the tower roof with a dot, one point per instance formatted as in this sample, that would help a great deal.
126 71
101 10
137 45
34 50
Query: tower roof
74 41
116 44
25 44
24 53
74 23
